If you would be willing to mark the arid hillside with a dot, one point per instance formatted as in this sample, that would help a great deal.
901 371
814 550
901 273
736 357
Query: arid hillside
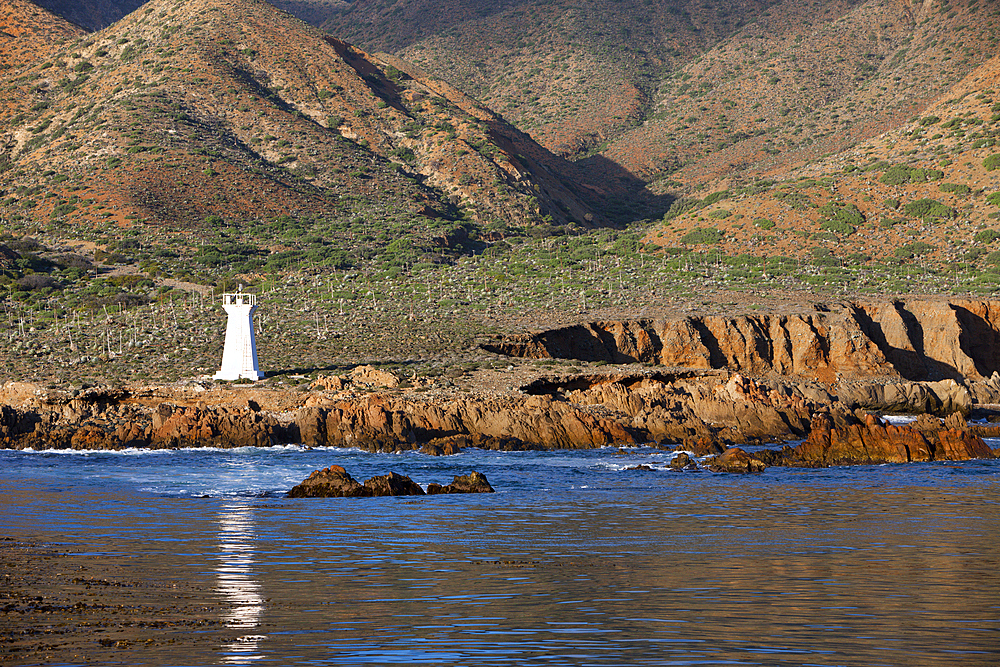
679 94
237 114
28 34
920 199
684 93
573 73
802 82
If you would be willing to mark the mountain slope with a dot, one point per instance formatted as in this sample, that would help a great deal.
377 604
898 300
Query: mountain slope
573 73
922 198
28 34
191 110
801 83
665 86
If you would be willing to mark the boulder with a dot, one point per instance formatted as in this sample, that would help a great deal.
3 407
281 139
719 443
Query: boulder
735 460
328 383
374 377
392 485
704 447
682 461
332 482
474 482
448 446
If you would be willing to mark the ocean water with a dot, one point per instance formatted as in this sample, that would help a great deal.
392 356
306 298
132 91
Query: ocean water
575 560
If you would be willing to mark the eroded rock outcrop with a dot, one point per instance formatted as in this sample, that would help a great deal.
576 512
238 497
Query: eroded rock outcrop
174 426
867 441
943 397
387 423
735 460
914 340
704 411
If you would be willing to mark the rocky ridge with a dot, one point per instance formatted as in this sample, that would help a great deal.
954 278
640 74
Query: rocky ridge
915 340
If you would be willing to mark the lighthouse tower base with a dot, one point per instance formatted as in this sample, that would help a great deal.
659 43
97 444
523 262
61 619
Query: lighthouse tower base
239 357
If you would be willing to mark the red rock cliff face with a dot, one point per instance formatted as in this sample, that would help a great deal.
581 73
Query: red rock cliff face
915 340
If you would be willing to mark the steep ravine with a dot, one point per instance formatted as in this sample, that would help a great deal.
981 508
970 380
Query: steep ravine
915 340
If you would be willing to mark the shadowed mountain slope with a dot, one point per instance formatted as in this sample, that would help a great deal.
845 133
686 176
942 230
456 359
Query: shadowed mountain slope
91 14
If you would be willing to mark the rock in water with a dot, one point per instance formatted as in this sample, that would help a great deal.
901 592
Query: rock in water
332 482
474 482
735 459
393 485
683 462
447 446
872 442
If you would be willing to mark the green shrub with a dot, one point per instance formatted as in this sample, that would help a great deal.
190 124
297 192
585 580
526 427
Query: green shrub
986 236
928 208
679 207
993 199
838 227
765 223
957 188
993 258
901 174
992 162
705 235
911 249
716 196
841 218
891 203
925 175
898 174
720 214
878 166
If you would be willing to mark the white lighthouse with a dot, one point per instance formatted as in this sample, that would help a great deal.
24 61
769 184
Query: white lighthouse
239 357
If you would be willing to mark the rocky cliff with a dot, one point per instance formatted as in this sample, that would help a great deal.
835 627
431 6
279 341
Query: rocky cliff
912 340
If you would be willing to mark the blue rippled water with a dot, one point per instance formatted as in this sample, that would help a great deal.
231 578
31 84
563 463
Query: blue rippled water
576 560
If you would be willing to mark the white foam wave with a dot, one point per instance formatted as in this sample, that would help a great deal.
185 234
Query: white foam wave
898 420
141 451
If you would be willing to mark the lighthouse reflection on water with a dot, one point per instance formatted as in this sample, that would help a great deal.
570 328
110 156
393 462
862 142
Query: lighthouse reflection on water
237 586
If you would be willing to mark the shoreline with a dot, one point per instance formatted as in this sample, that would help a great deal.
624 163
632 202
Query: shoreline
72 607
699 411
696 383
